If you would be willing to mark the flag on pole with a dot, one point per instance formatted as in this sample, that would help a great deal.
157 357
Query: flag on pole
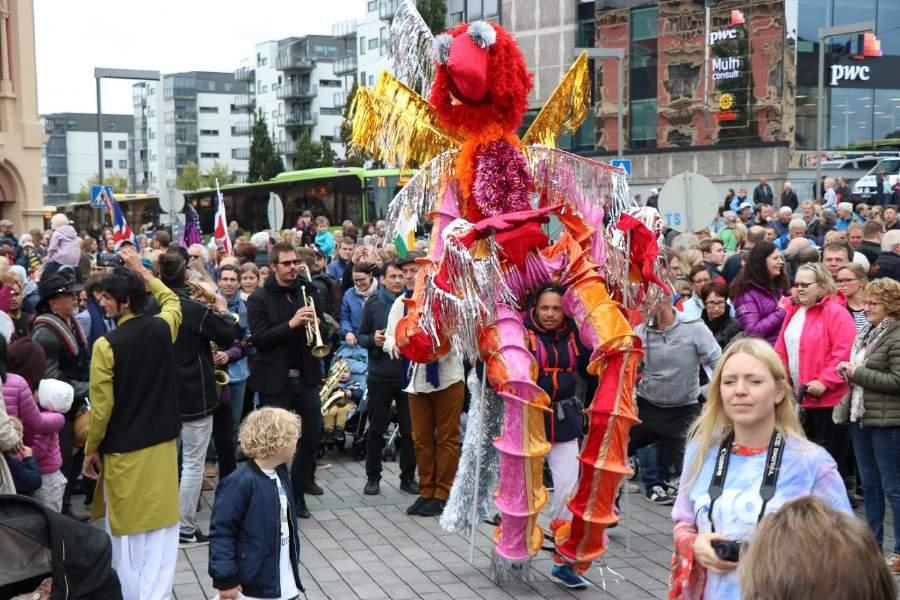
121 231
220 223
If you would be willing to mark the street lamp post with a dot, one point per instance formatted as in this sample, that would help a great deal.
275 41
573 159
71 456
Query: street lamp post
825 33
619 55
99 74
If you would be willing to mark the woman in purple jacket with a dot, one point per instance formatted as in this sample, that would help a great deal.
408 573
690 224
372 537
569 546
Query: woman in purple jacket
758 290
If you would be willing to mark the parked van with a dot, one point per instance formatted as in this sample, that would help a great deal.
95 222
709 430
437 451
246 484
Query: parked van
865 189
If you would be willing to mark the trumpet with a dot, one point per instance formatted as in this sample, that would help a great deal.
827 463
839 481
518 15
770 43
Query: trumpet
331 394
313 328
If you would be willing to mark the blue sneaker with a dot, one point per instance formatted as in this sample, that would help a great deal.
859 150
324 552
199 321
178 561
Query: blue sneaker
569 578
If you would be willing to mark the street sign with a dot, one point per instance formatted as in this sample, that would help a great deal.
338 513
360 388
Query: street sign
99 194
275 212
171 201
624 163
688 202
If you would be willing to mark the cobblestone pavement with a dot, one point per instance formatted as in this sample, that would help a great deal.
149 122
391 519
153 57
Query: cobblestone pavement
367 547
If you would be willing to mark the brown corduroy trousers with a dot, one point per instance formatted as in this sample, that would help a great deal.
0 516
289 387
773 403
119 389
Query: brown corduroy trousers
435 432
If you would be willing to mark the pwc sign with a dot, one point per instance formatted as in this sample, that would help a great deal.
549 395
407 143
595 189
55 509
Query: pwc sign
737 18
855 71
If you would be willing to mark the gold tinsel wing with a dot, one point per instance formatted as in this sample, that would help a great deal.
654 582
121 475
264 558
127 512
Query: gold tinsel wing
394 124
567 106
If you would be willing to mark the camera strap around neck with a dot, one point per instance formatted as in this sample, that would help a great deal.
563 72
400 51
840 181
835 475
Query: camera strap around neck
770 475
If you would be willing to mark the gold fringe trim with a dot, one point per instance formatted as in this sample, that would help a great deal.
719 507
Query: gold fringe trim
567 106
396 125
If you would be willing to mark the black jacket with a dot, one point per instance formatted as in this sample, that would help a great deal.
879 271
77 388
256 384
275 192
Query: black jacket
724 329
554 352
278 347
67 356
789 199
194 368
889 265
762 194
245 532
871 250
381 366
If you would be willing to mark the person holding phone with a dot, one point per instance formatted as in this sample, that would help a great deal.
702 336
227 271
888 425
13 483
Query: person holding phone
749 421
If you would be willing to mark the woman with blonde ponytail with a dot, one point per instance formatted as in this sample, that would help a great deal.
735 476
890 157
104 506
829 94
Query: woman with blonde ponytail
746 456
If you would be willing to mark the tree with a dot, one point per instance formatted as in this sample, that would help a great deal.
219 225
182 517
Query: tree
308 154
353 157
327 155
264 160
190 178
118 182
221 172
434 12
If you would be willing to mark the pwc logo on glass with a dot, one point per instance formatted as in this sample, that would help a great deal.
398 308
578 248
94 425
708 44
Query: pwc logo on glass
871 47
737 18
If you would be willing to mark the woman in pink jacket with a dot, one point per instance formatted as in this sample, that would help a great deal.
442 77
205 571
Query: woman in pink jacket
816 335
41 428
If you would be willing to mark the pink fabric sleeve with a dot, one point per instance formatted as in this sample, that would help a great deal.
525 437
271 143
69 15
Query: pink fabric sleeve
33 420
841 333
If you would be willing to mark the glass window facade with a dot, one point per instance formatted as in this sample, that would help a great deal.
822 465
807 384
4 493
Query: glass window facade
642 77
857 117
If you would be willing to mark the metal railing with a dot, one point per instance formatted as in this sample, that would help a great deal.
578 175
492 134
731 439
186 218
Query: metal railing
240 153
181 116
298 119
345 66
296 90
387 9
241 128
243 101
344 28
245 74
293 61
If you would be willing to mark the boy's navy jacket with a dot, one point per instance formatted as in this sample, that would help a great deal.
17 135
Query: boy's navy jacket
245 532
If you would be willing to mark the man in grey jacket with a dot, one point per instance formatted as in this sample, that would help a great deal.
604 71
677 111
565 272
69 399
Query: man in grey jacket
669 389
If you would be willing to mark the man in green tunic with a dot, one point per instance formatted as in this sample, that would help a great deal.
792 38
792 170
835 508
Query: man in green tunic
131 444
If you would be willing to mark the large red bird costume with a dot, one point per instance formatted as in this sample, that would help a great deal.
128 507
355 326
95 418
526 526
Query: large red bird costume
487 195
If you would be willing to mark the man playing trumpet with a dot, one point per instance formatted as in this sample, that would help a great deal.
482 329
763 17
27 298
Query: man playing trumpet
286 373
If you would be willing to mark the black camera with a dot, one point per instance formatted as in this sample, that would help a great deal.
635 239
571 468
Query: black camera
109 259
729 550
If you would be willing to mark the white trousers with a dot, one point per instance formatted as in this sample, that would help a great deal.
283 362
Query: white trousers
145 562
50 494
194 442
563 461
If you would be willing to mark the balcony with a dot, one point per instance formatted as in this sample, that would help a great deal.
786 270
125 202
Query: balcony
298 62
181 116
288 147
188 139
344 28
345 66
240 153
245 74
387 9
243 102
241 128
298 119
297 90
340 99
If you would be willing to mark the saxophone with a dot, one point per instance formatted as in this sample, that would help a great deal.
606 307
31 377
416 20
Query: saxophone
204 296
331 394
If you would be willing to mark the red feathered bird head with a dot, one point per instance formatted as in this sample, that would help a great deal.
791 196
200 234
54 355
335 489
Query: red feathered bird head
481 79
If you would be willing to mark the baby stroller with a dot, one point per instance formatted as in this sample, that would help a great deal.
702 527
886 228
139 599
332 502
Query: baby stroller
39 543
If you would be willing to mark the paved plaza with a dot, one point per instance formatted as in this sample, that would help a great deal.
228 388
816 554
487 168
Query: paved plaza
368 548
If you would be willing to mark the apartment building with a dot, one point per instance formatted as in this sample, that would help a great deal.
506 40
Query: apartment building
187 117
69 157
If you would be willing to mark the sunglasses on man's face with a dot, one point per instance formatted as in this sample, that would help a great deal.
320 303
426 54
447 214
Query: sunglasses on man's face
290 263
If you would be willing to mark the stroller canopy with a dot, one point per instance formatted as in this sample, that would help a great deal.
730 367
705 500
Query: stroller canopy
37 541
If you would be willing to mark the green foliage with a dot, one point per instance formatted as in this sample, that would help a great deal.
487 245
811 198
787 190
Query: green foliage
221 172
190 178
434 12
308 154
118 182
265 163
327 156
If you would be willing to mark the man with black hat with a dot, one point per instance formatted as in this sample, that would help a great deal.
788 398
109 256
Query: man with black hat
57 331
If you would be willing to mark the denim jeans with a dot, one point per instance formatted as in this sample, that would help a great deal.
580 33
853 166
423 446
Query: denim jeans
194 440
878 458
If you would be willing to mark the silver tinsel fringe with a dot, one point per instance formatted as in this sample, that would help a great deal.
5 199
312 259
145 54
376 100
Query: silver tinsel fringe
485 421
511 571
411 48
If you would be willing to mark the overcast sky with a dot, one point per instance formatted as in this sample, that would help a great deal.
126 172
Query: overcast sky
165 35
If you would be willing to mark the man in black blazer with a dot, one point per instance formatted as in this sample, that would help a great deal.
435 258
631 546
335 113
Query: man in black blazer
762 194
285 373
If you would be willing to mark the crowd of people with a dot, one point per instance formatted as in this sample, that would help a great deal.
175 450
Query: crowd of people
189 368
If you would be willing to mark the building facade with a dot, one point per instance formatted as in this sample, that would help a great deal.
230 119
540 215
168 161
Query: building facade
70 153
299 84
186 117
21 134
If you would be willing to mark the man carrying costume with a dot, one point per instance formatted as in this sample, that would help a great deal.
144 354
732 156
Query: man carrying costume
131 444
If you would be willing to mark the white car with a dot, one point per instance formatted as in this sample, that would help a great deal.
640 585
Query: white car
865 189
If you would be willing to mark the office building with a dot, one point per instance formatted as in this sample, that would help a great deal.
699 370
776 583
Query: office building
70 152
